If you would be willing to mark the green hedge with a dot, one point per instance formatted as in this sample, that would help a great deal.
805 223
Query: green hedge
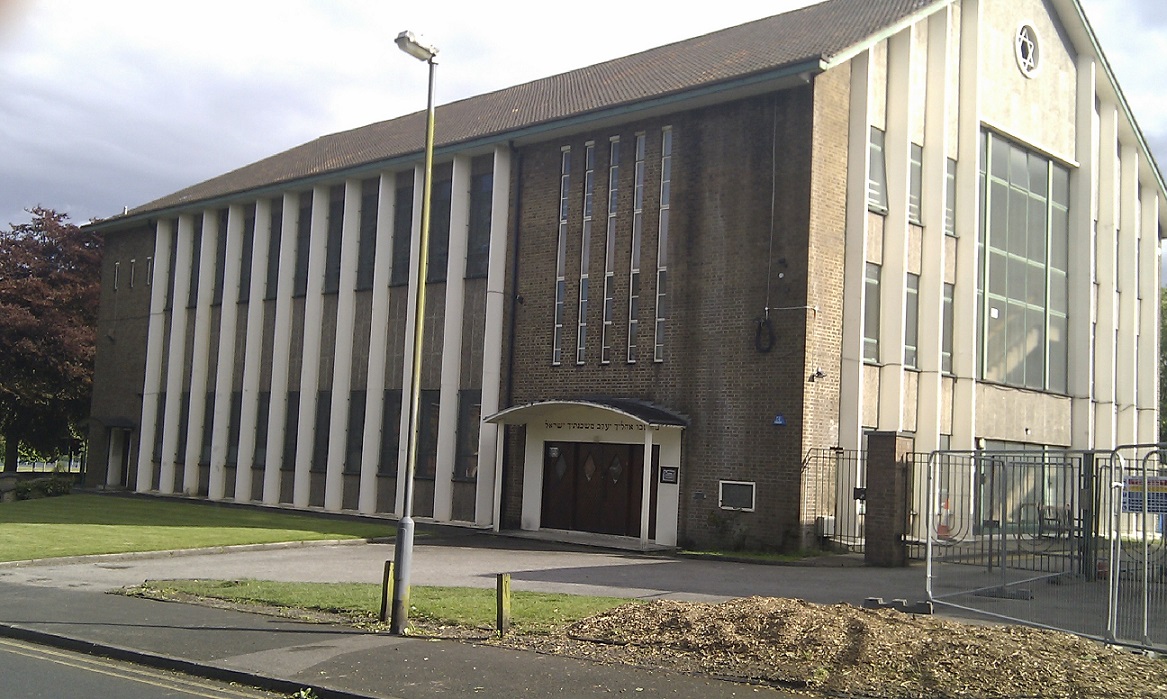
44 487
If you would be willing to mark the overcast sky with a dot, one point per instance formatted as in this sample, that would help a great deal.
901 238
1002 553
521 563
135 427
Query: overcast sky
112 103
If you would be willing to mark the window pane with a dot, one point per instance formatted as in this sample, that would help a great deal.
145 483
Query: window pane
1035 348
1038 175
1037 230
1057 353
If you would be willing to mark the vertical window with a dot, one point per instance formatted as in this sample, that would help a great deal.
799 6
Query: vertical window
946 330
1022 290
159 421
133 264
149 280
585 242
915 183
662 242
402 233
877 174
427 439
262 411
248 254
367 244
220 259
335 232
321 436
290 418
173 268
478 238
355 439
233 428
183 424
871 313
192 296
208 425
950 198
390 432
117 273
303 244
439 247
912 321
273 248
610 251
469 418
561 257
634 263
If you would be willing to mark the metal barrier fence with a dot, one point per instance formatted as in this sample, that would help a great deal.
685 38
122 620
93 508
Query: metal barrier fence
1065 540
834 496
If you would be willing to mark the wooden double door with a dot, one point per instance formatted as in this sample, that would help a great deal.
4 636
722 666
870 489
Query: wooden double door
594 487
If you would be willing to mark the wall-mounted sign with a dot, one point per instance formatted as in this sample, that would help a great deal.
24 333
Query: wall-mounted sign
670 474
780 420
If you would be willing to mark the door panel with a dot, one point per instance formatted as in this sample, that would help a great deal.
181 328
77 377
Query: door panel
558 485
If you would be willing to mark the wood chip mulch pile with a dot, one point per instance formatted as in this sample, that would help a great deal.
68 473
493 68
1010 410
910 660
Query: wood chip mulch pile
845 650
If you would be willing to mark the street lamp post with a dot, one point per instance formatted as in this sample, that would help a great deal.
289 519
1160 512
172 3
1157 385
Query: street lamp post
403 547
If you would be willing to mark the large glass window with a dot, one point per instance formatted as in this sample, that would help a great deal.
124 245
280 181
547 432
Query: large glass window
585 246
469 421
946 330
1022 292
871 313
478 240
877 174
912 321
662 245
273 248
634 265
402 232
303 245
916 184
247 255
561 258
439 245
610 250
335 233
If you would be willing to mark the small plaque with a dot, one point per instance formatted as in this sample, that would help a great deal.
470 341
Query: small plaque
670 474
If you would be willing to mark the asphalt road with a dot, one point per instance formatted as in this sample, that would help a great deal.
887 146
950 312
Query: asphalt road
30 671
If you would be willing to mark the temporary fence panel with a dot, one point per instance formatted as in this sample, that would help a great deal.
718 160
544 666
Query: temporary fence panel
1030 536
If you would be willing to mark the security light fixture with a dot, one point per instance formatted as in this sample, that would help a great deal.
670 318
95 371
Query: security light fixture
415 46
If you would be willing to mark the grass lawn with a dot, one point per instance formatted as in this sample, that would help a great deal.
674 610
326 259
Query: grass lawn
75 525
531 612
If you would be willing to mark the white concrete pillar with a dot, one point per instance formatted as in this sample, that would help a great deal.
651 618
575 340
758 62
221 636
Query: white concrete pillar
225 366
1107 299
893 279
342 363
855 254
200 353
310 355
281 350
1126 348
1083 181
1148 310
410 315
452 339
176 355
378 346
933 203
646 485
155 350
965 331
489 486
253 344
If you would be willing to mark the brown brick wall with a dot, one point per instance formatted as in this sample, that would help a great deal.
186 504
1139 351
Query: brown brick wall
725 267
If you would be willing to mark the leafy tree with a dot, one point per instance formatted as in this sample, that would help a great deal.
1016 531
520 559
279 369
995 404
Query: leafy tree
49 294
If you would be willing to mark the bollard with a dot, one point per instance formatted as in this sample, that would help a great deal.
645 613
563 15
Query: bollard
503 602
386 591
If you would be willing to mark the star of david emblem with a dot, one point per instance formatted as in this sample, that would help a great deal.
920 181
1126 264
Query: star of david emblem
1026 51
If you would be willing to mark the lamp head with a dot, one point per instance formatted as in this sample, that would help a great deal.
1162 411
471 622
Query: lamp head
416 46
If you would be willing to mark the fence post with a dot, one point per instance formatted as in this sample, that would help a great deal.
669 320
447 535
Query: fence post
386 591
503 602
889 460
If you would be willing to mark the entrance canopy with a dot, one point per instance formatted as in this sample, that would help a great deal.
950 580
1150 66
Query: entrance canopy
634 411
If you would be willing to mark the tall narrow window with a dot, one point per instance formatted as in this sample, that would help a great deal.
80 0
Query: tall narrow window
402 231
233 428
117 273
561 257
303 244
585 242
335 231
915 183
877 174
871 313
662 242
248 254
192 296
427 438
634 263
356 432
439 247
912 321
946 330
610 251
950 198
478 237
390 432
469 420
367 244
149 280
220 259
273 249
323 423
133 265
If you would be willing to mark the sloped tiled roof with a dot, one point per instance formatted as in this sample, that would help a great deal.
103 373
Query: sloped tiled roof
812 34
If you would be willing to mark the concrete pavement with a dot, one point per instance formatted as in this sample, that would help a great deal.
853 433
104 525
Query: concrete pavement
63 603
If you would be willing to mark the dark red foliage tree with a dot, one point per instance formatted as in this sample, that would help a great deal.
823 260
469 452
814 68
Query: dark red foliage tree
49 293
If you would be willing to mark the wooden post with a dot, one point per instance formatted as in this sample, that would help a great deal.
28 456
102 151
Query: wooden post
386 591
503 602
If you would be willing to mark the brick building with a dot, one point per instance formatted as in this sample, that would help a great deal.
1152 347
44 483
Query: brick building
658 283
